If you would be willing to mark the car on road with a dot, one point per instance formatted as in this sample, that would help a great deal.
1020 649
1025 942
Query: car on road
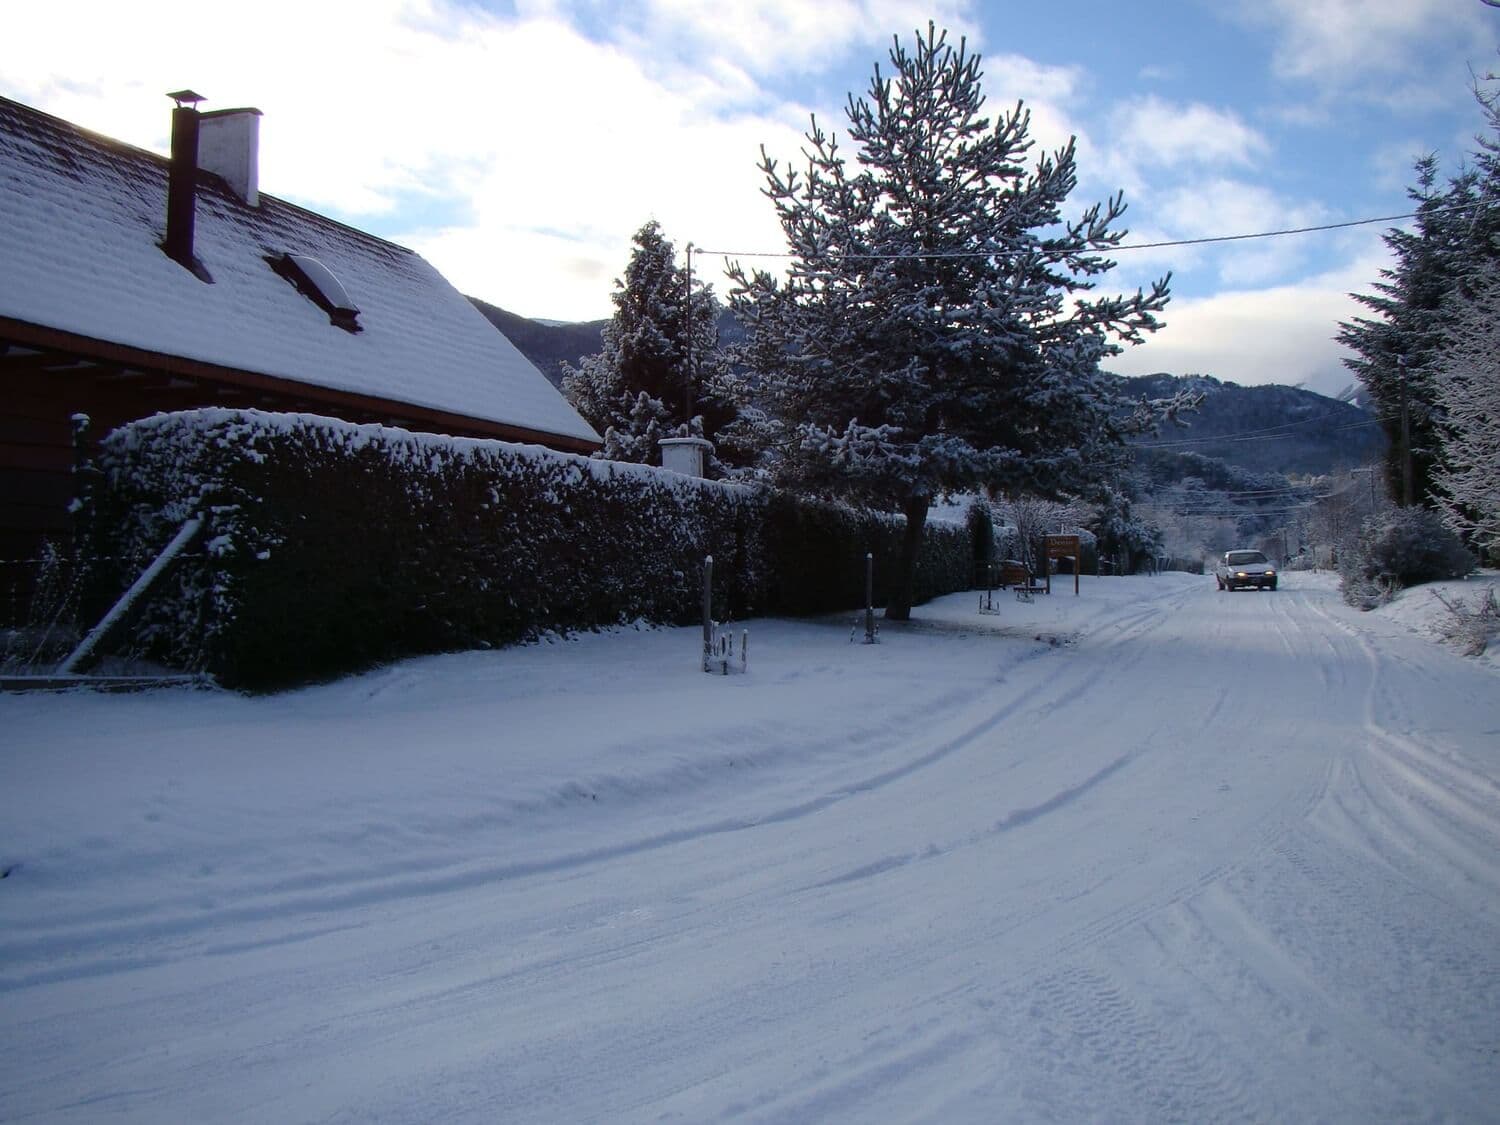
1245 568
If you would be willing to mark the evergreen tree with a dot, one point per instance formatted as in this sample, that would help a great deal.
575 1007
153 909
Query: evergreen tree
643 384
1394 354
1125 537
1467 378
1397 352
934 331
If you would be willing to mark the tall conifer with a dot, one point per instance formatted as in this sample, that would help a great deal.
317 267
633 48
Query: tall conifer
936 328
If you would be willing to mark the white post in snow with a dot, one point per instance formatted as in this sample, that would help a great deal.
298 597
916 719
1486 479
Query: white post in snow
708 611
869 598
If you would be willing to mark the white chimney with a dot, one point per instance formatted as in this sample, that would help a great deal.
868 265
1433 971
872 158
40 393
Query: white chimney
229 147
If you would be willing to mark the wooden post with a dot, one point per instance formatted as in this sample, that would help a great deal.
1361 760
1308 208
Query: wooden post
869 598
708 611
1406 491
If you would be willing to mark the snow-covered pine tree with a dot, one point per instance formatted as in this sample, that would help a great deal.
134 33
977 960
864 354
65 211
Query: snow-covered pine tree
934 330
1126 537
1397 352
639 387
1467 378
1394 351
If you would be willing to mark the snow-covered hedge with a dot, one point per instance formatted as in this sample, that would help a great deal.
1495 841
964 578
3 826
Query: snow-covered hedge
331 547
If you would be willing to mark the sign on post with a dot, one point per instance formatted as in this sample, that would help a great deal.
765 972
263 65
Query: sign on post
1064 547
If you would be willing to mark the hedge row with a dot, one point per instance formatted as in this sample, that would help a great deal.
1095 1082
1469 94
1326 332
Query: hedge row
330 548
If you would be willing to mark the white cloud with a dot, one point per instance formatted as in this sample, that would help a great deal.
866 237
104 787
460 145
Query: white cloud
1392 163
1218 206
1151 131
771 37
1009 78
1284 334
1149 140
1380 49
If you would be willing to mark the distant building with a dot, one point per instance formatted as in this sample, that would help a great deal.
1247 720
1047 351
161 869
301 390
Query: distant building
131 283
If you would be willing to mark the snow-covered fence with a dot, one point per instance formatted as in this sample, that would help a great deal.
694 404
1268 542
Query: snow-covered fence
111 620
719 655
718 637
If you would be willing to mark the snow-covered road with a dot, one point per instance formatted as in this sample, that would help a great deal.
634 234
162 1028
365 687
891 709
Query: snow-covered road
1152 853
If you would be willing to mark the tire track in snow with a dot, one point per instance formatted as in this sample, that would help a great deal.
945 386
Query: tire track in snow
1084 1019
1262 840
344 895
1069 940
1405 801
1050 934
321 895
1319 990
1299 935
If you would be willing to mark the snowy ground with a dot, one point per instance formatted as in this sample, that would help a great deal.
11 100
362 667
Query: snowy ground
1152 853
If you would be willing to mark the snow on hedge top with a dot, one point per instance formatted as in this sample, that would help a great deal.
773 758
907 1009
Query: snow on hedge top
82 218
239 428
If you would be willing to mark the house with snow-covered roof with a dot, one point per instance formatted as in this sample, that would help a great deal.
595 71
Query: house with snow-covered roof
133 283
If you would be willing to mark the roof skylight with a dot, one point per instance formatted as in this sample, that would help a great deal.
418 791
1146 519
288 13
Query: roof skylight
321 286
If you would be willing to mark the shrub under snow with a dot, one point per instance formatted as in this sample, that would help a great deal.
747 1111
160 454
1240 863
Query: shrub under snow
1400 548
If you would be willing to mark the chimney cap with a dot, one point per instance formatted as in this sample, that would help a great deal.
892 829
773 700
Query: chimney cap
187 96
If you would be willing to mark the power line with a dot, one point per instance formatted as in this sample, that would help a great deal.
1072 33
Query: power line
1249 436
1237 433
1288 490
1102 249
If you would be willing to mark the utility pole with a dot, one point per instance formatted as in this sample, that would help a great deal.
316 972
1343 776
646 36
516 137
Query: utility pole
1406 497
687 375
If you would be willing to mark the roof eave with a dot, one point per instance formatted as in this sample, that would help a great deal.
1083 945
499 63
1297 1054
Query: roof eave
47 338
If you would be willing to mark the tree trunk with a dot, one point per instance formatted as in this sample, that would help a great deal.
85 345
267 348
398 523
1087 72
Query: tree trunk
904 591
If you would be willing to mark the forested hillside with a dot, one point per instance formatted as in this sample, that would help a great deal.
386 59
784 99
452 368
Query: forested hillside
1260 429
548 346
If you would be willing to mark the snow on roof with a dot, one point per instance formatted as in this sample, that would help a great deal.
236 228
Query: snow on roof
82 218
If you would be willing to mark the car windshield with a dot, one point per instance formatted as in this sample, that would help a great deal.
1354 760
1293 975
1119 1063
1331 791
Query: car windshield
1244 558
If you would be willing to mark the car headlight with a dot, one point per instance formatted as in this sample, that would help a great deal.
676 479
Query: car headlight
1241 574
1270 573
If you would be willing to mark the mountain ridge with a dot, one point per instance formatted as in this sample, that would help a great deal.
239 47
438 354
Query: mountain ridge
1250 429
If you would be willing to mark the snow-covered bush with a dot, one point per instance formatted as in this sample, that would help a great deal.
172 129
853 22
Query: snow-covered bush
1400 548
1471 626
331 547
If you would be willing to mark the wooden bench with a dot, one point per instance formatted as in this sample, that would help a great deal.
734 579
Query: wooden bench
1014 575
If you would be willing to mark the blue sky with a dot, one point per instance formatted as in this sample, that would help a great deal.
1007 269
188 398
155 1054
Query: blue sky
519 144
